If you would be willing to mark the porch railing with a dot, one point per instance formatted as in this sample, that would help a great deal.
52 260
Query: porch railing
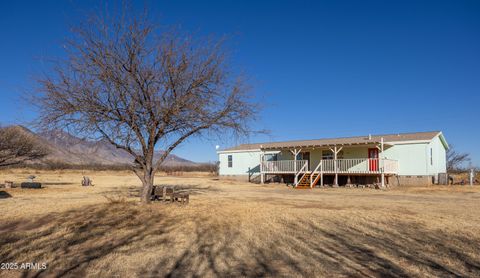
282 166
358 165
342 166
390 166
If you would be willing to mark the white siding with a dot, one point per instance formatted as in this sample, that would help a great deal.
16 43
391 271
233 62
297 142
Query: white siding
412 158
438 151
241 161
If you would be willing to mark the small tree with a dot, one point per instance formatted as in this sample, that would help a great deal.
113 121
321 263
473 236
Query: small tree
17 146
455 159
123 83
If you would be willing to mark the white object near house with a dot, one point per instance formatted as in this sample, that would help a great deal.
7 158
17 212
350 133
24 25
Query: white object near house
472 175
407 158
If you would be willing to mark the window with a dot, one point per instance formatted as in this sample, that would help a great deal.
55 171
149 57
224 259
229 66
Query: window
327 154
271 157
303 156
230 161
431 156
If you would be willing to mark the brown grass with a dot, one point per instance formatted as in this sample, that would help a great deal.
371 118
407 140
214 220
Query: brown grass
237 229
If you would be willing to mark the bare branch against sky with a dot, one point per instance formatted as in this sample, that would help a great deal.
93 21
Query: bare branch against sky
129 82
18 146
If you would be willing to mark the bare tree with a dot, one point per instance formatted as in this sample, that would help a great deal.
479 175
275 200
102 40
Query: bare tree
456 159
125 82
18 146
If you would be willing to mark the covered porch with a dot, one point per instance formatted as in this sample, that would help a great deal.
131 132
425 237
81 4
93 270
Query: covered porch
310 164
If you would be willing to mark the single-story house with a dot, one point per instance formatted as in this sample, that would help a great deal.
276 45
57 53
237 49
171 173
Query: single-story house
403 158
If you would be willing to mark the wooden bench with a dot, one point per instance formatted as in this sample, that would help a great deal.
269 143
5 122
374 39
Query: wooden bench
167 193
163 193
182 197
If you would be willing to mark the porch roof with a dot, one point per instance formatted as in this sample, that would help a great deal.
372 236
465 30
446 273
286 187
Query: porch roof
320 143
388 139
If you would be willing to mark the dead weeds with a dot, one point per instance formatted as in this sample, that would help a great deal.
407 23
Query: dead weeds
239 229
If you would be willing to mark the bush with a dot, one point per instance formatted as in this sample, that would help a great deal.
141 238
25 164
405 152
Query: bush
170 170
200 167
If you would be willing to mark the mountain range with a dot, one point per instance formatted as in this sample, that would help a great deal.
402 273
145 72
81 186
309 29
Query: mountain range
69 149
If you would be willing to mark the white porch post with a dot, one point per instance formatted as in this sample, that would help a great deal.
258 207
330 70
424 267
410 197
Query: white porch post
295 160
295 152
335 151
321 173
295 165
335 165
382 163
262 175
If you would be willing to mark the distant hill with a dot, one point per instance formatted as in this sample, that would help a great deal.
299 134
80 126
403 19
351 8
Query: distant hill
66 148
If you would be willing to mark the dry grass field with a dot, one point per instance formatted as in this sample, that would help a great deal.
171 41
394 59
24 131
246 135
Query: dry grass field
236 229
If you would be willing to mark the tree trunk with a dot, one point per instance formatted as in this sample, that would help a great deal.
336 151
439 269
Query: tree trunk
147 185
146 192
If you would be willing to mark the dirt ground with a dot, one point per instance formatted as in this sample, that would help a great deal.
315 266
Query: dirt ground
232 228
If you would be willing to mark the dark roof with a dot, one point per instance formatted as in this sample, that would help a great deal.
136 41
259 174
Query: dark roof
357 140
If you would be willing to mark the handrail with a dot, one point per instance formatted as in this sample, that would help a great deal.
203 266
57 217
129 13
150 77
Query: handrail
282 166
300 171
320 164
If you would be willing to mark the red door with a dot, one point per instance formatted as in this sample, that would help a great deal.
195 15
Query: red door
373 159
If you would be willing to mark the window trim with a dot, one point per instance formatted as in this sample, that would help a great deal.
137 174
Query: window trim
230 161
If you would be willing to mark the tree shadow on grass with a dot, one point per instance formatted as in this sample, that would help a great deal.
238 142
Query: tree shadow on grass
134 191
195 189
303 248
69 241
394 249
130 191
217 245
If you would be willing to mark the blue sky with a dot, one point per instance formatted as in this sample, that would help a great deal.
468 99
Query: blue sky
321 68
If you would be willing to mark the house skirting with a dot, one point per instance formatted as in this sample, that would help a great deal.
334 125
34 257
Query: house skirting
413 180
402 180
343 179
234 177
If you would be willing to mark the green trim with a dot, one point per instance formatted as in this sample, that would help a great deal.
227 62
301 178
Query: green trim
443 140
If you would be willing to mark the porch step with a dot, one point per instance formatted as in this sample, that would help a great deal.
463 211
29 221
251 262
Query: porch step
305 181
